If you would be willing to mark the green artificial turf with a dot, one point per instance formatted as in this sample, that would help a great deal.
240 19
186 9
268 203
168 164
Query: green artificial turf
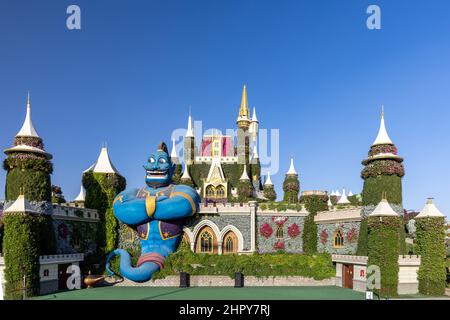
208 293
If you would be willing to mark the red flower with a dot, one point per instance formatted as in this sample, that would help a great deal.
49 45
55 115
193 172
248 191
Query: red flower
279 220
265 230
293 230
279 245
352 235
324 236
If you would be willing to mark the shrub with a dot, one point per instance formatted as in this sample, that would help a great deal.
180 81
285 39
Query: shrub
291 188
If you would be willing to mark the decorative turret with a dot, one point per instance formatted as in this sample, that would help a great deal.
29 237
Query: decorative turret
21 242
383 245
189 142
269 190
382 173
81 198
28 165
243 134
343 199
103 182
430 245
254 126
291 185
186 177
245 187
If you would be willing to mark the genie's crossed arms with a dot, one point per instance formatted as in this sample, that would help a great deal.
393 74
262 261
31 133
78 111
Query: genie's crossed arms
138 206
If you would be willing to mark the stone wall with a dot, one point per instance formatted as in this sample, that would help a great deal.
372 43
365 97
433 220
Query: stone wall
347 229
225 281
266 233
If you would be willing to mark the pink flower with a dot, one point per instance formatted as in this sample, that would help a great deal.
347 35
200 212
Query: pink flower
293 230
279 245
265 230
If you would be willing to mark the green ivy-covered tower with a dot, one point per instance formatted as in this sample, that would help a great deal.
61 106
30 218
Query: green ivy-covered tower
269 190
430 245
382 173
383 246
291 185
21 249
102 183
28 168
245 187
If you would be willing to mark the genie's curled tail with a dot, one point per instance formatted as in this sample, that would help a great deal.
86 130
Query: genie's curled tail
147 264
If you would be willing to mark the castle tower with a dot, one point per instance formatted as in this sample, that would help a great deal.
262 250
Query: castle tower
291 184
189 143
430 245
254 126
81 198
176 160
245 187
28 165
186 177
21 248
103 182
269 190
243 135
383 245
382 173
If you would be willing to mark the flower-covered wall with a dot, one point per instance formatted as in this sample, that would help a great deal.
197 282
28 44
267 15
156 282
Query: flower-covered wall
75 236
279 233
348 242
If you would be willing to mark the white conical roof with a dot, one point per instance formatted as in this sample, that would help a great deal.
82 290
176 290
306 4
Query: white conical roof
268 180
21 205
332 193
82 195
254 118
382 137
190 129
383 209
186 173
103 164
337 193
173 153
291 168
430 210
329 203
350 194
27 129
343 199
244 174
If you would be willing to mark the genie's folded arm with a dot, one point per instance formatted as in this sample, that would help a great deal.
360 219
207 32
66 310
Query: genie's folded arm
134 211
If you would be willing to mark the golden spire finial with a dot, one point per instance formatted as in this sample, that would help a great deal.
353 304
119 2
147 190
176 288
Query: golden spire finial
243 111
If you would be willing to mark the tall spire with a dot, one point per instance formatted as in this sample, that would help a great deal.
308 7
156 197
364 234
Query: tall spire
103 164
343 199
254 118
382 137
244 174
186 175
190 129
243 119
255 152
291 168
173 153
81 196
27 129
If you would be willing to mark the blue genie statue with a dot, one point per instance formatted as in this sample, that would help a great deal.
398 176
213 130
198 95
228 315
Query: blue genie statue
157 212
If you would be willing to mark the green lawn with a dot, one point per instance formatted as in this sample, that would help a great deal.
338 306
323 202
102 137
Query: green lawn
208 293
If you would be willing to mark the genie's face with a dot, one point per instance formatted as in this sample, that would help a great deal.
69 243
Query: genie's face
159 170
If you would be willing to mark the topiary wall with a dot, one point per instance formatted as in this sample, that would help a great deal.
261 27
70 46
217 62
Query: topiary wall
375 187
383 251
313 204
430 245
362 239
101 189
21 253
269 193
291 188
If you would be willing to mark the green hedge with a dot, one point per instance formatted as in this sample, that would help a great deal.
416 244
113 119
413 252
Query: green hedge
314 204
245 191
269 193
35 184
374 187
318 266
101 189
21 253
362 239
291 188
430 245
383 251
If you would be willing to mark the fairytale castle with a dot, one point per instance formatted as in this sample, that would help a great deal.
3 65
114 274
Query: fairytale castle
238 213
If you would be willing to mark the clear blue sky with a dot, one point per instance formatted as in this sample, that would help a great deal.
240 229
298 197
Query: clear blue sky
312 69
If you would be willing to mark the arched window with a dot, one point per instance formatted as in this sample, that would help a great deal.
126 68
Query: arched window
338 240
220 191
206 241
229 244
279 233
210 191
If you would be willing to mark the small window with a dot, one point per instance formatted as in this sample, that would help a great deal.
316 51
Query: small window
279 233
46 273
338 239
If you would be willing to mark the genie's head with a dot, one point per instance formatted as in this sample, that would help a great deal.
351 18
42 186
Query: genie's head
159 168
